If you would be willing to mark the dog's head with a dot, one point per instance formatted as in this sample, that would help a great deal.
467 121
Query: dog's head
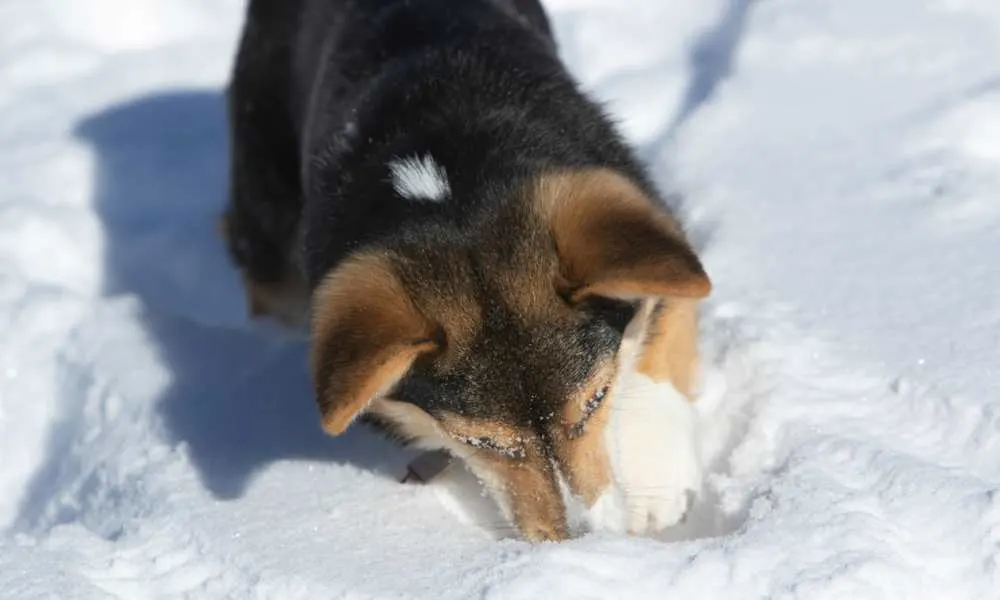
503 349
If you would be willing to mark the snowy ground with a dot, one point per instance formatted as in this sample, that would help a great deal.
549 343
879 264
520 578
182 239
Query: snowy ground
841 166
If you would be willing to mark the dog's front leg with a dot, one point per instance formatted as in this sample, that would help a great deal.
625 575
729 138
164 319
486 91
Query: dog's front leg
651 436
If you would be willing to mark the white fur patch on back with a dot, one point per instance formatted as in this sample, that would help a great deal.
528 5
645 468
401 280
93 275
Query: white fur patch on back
420 178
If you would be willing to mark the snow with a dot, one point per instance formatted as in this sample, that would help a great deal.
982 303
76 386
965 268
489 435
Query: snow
839 163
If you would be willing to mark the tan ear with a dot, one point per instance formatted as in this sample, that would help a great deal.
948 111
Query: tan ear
366 333
614 241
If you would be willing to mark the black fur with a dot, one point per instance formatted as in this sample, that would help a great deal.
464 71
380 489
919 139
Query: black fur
326 93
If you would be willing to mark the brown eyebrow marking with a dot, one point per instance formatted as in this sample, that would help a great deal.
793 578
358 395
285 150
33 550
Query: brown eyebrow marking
488 435
581 405
590 407
579 442
515 451
585 458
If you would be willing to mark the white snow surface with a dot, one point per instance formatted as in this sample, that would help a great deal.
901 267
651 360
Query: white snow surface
837 162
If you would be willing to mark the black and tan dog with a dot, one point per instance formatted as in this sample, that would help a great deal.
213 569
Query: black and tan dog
487 267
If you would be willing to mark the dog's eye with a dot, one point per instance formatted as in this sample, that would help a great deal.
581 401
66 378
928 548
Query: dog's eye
595 401
485 443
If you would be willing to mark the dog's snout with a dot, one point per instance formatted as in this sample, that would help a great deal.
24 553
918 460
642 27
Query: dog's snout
555 532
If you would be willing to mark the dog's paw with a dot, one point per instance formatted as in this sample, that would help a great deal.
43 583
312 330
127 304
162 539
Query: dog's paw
653 446
661 499
607 514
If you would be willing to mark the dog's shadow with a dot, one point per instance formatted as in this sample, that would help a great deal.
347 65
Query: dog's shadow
238 400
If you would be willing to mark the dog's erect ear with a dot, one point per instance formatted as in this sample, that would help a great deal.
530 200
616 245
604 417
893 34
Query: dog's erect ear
613 241
366 333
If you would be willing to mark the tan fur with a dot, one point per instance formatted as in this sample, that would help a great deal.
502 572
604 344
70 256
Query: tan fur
531 489
526 482
670 353
528 280
588 210
365 335
413 422
585 457
502 433
581 227
579 442
373 316
440 288
459 317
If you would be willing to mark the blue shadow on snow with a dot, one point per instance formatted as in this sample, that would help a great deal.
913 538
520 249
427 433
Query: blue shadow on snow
238 400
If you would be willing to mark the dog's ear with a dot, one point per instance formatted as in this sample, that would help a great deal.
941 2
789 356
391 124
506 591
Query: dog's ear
612 240
366 333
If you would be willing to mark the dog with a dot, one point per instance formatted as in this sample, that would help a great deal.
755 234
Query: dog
481 262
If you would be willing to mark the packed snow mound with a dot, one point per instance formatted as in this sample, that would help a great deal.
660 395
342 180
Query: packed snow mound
837 162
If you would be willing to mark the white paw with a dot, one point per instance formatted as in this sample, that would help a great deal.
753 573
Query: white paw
661 499
607 514
654 453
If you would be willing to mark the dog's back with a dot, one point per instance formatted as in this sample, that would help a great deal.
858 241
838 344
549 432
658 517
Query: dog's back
311 74
476 86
